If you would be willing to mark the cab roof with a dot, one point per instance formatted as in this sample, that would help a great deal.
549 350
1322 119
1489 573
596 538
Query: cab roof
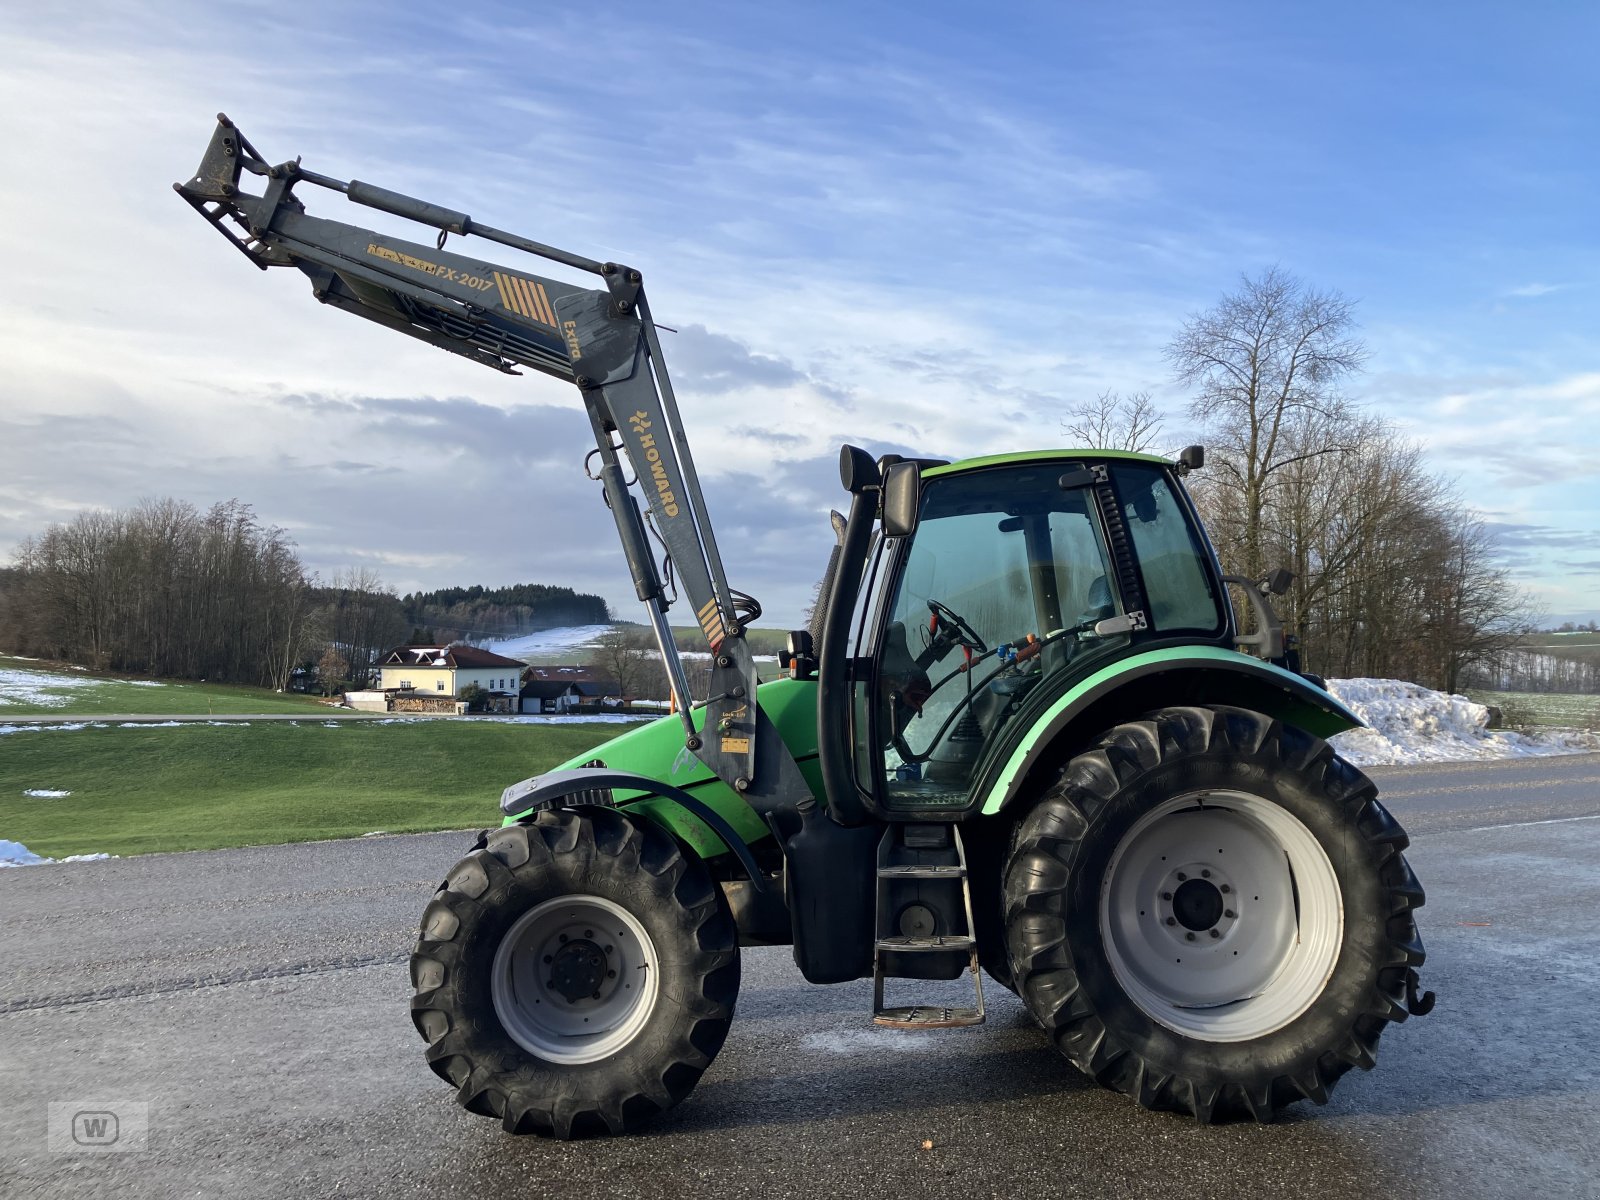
1031 456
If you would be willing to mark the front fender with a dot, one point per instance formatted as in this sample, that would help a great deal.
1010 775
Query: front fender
1159 679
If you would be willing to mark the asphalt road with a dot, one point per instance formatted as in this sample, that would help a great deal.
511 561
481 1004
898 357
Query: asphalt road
256 1000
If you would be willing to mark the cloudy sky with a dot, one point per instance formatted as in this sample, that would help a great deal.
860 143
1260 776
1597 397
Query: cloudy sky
918 227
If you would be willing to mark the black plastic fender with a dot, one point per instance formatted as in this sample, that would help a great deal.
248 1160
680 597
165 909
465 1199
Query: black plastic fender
593 786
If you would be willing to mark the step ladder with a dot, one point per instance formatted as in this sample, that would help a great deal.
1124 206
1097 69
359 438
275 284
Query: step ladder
922 870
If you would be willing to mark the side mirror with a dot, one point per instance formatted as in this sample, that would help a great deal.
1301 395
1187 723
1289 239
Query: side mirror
1277 581
902 498
1191 458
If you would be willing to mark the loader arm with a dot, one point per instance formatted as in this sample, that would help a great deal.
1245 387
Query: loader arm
600 339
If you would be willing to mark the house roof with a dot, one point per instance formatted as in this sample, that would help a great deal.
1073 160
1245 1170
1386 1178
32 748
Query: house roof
443 657
547 689
554 681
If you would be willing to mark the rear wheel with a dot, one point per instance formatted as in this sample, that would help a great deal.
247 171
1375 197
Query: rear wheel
574 975
1212 913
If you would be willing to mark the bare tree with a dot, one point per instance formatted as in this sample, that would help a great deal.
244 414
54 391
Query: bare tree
1112 421
333 669
625 654
1267 362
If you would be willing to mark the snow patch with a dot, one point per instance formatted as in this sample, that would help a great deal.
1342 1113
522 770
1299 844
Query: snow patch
144 683
4 729
15 854
852 1042
527 719
39 688
1408 723
549 641
46 793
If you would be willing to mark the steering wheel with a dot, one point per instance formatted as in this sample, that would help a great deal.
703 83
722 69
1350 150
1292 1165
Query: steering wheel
943 614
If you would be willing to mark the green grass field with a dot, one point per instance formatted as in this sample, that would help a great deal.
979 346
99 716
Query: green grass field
1558 709
197 787
31 688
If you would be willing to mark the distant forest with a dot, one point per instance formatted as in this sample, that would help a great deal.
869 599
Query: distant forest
164 588
475 613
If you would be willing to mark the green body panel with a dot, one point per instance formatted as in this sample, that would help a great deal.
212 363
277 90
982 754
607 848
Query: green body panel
1318 714
998 460
656 751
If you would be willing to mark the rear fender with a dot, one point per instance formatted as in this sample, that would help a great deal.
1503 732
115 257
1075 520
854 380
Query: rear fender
1161 679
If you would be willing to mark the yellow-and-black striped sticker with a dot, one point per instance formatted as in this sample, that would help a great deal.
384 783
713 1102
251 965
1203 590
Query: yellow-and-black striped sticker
525 297
711 623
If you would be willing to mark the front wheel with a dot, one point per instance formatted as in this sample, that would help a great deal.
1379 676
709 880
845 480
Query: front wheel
1212 913
574 975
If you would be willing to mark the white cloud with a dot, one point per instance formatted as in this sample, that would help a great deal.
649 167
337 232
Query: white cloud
1532 290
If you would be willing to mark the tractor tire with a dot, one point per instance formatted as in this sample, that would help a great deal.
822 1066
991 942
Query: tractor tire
524 927
1211 912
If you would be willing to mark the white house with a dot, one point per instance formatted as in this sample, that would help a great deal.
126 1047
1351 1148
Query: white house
444 671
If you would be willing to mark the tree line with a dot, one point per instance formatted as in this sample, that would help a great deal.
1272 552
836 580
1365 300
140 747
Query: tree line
166 589
1395 575
478 612
161 589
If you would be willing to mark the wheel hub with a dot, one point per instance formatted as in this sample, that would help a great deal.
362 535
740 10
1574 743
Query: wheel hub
577 970
1197 904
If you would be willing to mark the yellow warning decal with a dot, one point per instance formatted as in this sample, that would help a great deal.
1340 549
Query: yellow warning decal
711 623
736 745
526 298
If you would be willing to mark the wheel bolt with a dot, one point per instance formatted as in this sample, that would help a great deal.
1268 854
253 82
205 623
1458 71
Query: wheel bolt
552 985
1189 936
1172 920
1216 933
1181 877
588 933
1228 912
563 937
549 958
1205 874
611 974
1226 889
609 949
596 996
1166 895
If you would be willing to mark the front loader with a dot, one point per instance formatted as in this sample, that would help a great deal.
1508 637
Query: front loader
1019 736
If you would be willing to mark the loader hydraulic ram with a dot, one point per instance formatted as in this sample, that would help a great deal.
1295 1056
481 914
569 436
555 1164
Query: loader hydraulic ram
1020 735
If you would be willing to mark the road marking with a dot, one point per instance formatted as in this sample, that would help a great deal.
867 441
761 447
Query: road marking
1498 786
1520 824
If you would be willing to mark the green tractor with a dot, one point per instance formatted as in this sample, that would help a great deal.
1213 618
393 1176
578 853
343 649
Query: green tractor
1018 739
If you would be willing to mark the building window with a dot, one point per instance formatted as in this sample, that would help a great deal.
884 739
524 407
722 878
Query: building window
440 685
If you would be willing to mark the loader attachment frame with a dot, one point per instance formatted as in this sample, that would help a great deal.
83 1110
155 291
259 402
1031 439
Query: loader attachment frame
601 339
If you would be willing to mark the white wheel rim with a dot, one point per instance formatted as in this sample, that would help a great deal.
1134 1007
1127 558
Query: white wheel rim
1200 920
550 959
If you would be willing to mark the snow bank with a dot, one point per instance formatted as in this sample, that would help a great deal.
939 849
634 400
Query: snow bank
15 854
1408 723
46 793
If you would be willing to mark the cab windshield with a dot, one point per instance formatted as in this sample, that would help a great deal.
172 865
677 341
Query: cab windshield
1006 577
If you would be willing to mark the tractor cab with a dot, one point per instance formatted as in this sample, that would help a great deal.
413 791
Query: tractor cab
1017 578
